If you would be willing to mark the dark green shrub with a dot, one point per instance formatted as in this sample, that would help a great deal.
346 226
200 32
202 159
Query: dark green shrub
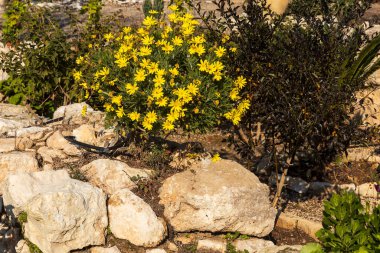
44 47
348 226
300 68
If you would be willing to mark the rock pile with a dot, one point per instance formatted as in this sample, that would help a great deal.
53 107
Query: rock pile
60 214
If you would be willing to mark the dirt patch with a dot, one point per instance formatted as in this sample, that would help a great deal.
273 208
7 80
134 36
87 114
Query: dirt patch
352 172
282 236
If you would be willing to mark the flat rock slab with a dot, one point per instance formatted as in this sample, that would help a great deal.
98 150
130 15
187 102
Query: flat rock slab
218 196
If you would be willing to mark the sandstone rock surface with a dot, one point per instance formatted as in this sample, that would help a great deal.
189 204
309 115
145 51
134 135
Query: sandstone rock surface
57 141
113 249
71 110
63 214
253 245
16 162
112 175
219 197
134 220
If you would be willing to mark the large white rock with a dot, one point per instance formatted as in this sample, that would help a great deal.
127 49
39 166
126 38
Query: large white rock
63 214
57 141
134 220
219 197
14 117
17 162
71 110
112 175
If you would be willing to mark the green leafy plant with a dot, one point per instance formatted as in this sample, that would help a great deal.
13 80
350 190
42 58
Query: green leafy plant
22 217
156 7
312 248
348 226
42 53
161 77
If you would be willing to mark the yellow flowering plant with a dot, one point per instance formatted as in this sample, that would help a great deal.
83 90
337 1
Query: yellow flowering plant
162 76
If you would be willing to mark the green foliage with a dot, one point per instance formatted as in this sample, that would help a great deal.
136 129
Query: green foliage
43 53
348 226
312 248
160 77
32 247
232 249
22 217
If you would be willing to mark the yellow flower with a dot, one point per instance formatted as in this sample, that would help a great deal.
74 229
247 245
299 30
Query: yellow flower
187 30
225 38
142 31
153 12
134 116
151 117
89 46
167 48
112 83
174 71
149 21
108 107
173 7
162 102
157 92
173 17
158 80
176 105
117 100
198 39
240 82
148 40
120 112
233 49
160 72
140 75
77 75
177 41
146 125
84 110
108 36
84 85
234 94
79 60
145 51
153 67
215 158
217 76
182 94
172 116
203 65
168 125
144 63
127 29
122 62
197 49
192 89
131 89
220 51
